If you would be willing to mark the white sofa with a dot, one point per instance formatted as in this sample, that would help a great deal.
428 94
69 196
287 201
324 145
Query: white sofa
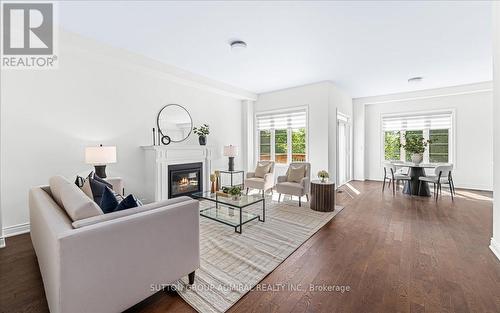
110 262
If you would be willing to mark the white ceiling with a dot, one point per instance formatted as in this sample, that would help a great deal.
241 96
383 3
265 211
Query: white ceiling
368 48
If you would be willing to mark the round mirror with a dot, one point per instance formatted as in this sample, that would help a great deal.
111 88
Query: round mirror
175 122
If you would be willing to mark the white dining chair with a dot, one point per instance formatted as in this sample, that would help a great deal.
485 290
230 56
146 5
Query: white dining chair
442 175
391 174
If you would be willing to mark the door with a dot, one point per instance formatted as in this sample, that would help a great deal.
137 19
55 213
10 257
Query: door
344 149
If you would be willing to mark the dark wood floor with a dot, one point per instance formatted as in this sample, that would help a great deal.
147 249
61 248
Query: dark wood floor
397 254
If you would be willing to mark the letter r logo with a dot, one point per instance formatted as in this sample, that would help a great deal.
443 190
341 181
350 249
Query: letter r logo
28 29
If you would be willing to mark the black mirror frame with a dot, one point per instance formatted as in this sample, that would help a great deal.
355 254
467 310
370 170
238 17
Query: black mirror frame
166 135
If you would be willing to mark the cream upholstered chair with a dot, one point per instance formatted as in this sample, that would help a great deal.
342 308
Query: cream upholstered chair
442 176
262 183
392 174
295 188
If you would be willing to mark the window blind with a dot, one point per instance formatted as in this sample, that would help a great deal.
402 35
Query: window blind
441 120
282 120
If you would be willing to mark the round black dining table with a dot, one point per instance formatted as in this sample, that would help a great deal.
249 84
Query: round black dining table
416 171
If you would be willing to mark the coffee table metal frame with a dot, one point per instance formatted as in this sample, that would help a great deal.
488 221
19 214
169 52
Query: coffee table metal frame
231 205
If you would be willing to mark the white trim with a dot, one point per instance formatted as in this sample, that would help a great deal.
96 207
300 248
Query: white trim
495 248
18 229
428 93
2 242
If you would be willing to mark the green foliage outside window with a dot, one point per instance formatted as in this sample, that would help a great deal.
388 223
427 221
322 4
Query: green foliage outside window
438 149
265 145
281 145
392 145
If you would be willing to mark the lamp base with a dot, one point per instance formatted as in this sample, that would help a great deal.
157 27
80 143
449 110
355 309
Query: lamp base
231 164
100 170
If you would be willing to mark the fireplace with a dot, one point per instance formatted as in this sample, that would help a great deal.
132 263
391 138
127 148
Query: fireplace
185 179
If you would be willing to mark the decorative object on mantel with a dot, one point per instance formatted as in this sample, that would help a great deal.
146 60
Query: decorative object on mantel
203 131
213 183
217 181
165 140
174 122
323 175
230 151
154 137
99 157
415 146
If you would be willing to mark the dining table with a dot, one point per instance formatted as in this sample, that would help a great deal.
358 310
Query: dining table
417 170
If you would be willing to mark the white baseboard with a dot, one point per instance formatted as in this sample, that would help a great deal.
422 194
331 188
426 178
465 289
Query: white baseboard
16 229
2 242
495 247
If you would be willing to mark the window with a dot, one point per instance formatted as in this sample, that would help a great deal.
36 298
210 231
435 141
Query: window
282 136
439 147
436 127
299 145
265 145
392 141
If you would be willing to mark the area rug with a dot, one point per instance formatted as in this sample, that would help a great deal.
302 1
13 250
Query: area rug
232 264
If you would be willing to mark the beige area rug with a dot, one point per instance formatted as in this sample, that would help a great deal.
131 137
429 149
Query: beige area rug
232 264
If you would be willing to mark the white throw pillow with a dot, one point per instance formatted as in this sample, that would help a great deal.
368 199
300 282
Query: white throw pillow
72 199
296 173
262 169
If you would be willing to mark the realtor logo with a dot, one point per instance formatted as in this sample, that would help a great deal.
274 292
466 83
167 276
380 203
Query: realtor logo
28 35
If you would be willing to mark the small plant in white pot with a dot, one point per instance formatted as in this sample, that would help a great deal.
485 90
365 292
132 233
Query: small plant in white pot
415 146
323 175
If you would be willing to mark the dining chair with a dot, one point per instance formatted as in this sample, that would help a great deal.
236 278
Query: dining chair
391 174
442 175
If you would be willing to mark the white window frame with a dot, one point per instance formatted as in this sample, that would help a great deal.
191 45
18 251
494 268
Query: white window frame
451 135
289 135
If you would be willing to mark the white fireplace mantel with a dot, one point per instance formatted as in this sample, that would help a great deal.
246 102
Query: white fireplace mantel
158 158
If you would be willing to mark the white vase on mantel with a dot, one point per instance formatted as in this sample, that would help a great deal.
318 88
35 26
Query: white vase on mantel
417 158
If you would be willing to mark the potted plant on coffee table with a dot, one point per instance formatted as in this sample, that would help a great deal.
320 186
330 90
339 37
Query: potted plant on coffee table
202 133
415 146
235 192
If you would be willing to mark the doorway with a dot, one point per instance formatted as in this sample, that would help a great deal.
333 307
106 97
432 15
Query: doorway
343 149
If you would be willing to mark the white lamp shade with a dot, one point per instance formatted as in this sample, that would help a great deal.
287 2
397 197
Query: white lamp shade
100 155
230 151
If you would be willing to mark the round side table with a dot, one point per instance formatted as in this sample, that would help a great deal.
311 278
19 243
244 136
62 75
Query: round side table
322 196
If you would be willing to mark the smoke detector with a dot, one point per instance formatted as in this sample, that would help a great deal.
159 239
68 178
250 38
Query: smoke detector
416 79
238 45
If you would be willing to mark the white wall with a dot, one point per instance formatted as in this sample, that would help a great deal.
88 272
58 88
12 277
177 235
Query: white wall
359 159
322 100
98 95
474 130
495 241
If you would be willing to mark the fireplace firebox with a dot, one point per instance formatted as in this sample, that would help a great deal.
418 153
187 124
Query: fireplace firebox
185 179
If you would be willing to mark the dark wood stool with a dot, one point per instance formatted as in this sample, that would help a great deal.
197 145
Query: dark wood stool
322 196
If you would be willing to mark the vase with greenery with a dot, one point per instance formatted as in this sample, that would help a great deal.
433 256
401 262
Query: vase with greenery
323 175
202 131
415 146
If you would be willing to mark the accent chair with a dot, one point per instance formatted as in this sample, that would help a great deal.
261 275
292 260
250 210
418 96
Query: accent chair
296 182
262 178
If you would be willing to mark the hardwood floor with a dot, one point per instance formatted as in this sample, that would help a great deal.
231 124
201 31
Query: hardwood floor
396 254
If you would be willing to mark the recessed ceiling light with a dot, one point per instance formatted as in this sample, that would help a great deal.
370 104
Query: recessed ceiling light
238 45
415 79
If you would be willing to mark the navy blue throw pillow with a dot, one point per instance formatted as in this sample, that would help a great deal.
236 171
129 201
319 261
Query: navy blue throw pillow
98 185
108 202
129 202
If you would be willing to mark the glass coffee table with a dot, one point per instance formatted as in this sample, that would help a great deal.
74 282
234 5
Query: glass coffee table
229 211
